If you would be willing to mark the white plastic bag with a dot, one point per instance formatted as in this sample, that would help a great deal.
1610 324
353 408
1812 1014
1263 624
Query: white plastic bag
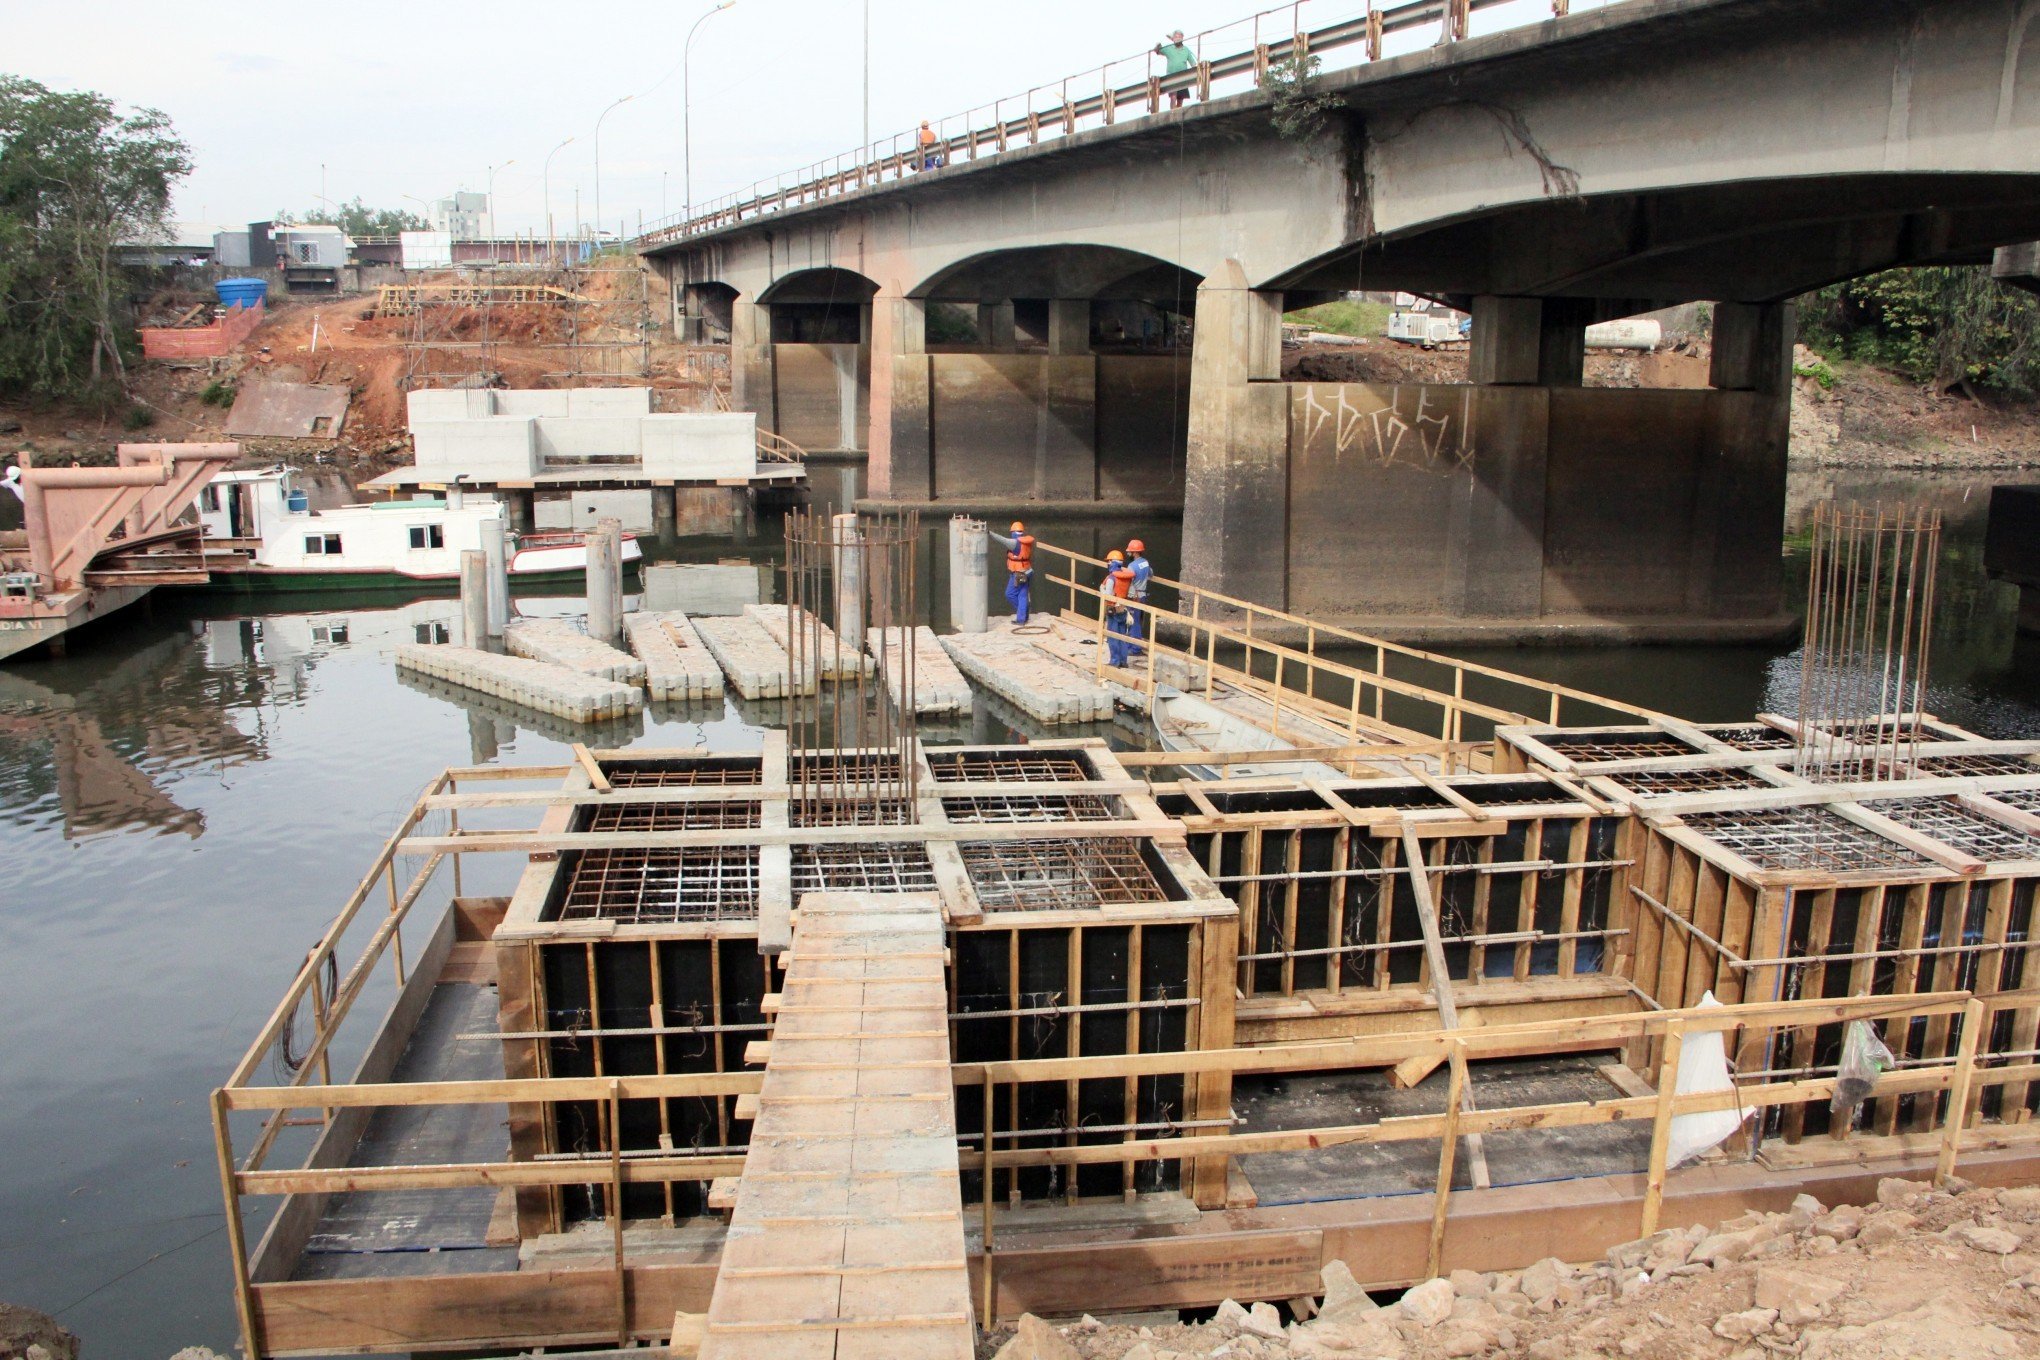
1864 1059
1703 1066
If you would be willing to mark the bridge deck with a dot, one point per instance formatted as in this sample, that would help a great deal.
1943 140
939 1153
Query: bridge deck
847 1238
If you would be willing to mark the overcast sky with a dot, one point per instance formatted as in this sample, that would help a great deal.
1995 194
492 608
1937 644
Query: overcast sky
418 99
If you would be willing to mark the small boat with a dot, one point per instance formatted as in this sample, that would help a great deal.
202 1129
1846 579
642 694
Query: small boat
261 530
1185 723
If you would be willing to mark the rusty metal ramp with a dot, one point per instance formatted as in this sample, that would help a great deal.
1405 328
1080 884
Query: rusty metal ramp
847 1238
282 410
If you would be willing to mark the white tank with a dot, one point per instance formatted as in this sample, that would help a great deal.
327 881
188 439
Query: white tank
1629 334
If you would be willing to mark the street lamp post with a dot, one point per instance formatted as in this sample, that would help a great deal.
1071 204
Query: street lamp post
492 193
598 159
687 120
546 179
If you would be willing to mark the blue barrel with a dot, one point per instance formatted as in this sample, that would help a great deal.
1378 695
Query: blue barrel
242 292
297 502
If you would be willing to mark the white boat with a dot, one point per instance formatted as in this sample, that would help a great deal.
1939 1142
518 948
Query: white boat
261 518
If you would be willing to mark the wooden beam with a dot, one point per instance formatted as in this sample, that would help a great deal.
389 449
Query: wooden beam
1441 987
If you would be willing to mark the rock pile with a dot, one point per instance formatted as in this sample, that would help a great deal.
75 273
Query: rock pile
1922 1274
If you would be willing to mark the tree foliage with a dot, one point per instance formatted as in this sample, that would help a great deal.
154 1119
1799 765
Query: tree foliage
77 178
1942 324
1296 106
357 219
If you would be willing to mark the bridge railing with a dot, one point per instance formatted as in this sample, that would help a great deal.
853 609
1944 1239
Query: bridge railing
1229 59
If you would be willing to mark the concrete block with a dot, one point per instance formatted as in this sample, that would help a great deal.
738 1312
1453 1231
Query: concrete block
500 446
533 684
1038 684
529 402
699 447
589 437
447 403
752 658
939 687
559 642
583 402
834 659
677 665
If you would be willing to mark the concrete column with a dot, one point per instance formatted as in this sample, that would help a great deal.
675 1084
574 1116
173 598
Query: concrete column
1236 483
995 327
1523 341
848 550
523 508
1069 326
496 558
665 511
605 581
1753 347
901 440
969 601
474 599
751 377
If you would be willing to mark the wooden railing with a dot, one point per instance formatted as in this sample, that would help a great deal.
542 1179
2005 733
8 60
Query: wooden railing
1105 95
1215 635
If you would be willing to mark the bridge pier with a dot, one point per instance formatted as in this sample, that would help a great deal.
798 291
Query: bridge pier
1521 506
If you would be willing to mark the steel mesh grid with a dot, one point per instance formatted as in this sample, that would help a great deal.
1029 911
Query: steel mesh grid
653 887
1617 745
684 774
1028 808
1755 737
1072 875
1975 764
1008 767
1948 822
1686 781
822 812
672 817
1801 838
2026 800
862 868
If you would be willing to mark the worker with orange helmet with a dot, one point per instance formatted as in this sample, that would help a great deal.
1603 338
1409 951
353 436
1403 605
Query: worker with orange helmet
1019 570
1116 589
1137 563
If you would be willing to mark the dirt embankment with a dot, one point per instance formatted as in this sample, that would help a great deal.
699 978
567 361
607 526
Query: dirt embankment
355 348
1922 1274
1843 414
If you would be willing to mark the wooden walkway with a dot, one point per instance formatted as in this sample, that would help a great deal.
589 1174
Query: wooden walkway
847 1237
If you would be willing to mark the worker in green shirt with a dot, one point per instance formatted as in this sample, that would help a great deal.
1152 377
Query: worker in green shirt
1180 59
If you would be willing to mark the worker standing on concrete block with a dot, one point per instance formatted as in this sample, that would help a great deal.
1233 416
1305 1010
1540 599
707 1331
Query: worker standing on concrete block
1137 563
1019 569
1180 59
1116 586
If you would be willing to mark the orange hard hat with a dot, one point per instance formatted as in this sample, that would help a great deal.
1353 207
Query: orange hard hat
1135 545
1115 556
1018 526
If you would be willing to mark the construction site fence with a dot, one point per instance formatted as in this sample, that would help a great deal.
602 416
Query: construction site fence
1232 58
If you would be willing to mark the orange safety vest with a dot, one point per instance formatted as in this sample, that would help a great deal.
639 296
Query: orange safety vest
1121 580
1022 556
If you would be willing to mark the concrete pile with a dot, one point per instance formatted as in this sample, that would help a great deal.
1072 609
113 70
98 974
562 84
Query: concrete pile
751 657
559 643
939 687
833 660
1945 1274
533 684
1030 679
676 665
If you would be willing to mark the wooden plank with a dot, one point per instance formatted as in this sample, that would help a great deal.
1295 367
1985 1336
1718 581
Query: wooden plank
1441 986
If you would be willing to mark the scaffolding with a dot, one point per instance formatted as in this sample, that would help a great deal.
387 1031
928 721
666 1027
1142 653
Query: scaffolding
586 324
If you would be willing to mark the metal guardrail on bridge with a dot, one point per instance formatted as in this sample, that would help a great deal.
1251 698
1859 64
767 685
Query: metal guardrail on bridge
1093 98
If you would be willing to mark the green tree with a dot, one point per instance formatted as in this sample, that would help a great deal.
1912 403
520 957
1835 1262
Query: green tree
357 219
77 178
1951 325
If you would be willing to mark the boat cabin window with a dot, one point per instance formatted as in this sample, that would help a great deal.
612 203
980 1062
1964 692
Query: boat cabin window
432 633
317 545
428 536
210 499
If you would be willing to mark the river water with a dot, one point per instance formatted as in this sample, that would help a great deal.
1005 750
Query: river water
190 794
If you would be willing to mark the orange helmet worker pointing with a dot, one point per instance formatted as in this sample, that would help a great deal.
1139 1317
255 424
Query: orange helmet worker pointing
1019 570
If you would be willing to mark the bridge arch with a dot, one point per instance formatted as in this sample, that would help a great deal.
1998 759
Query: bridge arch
1068 298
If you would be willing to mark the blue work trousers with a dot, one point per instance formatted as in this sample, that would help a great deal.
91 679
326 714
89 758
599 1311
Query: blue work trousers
1120 625
1017 595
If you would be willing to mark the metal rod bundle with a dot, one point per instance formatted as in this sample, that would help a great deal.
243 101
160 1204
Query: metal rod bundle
851 741
1863 669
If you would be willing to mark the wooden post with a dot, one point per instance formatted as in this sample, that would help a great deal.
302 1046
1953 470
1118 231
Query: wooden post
616 1211
237 1241
1973 1022
1455 1090
1441 986
396 939
991 1299
1661 1127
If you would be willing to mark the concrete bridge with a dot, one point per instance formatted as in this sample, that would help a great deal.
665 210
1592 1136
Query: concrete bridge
1588 167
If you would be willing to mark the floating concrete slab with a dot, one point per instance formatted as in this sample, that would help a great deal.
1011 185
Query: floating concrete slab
750 656
676 665
281 410
559 642
939 687
1038 684
534 684
834 659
